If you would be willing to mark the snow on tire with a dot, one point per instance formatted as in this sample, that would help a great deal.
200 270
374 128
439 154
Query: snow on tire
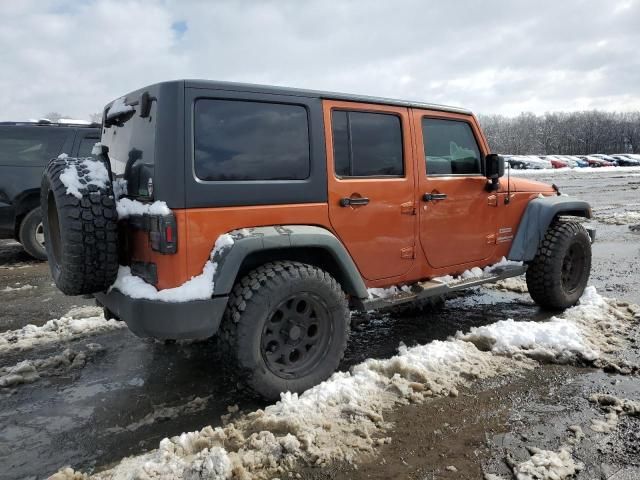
80 224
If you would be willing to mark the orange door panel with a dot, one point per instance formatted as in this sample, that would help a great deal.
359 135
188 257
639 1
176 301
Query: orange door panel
458 215
374 216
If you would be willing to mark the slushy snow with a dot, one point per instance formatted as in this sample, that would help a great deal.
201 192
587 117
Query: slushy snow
57 330
343 417
95 174
198 288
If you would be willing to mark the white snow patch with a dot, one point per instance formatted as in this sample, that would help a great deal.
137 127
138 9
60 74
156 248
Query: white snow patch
95 174
57 330
547 465
199 287
127 207
96 149
477 272
625 218
387 292
118 107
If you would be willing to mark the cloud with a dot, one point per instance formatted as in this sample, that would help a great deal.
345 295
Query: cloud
492 56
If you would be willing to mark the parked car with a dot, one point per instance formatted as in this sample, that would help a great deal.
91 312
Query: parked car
574 161
607 158
556 161
596 162
25 149
627 160
267 213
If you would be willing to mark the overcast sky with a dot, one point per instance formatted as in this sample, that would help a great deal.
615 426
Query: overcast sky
73 56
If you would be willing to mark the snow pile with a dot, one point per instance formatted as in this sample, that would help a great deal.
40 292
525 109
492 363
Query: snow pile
387 292
81 173
343 417
58 330
581 334
17 289
127 207
96 149
547 465
198 288
118 107
29 371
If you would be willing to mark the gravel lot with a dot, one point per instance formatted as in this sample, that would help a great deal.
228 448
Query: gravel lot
129 393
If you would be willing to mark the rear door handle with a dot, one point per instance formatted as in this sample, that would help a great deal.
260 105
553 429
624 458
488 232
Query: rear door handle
351 201
427 197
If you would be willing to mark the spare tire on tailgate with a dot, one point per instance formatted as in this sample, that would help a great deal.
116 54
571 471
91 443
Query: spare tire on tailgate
80 224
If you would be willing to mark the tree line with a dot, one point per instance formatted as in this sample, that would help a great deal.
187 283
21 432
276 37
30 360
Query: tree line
563 133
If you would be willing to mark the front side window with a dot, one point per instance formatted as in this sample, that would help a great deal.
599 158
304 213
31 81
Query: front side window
367 144
450 148
242 140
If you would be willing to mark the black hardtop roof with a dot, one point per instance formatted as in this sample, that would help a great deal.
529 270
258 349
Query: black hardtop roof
276 90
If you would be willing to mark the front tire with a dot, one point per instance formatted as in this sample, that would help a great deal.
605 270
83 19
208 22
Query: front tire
31 234
286 328
558 274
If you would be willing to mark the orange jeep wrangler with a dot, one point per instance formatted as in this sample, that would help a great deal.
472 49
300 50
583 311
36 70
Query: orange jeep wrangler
264 214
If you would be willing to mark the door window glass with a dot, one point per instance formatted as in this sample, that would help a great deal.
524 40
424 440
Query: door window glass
450 148
367 144
86 145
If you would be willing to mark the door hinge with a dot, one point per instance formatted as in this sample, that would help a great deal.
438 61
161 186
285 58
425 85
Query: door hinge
407 252
408 208
492 200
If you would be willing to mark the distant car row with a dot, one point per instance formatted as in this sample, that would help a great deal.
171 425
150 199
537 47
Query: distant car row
537 162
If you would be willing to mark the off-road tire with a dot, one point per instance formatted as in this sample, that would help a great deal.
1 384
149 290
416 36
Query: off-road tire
253 304
28 234
81 235
552 282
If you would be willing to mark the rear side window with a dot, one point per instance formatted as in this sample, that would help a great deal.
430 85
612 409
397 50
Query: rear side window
367 144
30 145
86 145
450 148
241 140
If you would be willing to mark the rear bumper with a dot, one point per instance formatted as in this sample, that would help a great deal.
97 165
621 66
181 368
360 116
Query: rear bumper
164 320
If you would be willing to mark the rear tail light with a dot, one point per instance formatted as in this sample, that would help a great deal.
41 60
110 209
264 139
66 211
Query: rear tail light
163 235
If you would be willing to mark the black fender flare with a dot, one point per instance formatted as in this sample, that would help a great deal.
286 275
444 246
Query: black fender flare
537 217
282 237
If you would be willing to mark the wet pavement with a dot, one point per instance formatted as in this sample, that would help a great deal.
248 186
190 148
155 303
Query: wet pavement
133 392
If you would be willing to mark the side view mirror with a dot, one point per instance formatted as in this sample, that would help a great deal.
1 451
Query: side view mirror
494 169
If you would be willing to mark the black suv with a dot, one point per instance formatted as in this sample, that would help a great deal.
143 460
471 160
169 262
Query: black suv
25 149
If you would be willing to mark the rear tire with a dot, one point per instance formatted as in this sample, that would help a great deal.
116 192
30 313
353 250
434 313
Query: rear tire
31 234
285 328
558 274
81 235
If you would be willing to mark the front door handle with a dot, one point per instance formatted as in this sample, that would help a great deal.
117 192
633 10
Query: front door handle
427 197
351 201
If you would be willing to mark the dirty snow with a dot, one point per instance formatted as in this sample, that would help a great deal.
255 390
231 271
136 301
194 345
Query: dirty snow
164 412
96 174
513 284
57 330
28 371
127 207
613 407
343 417
625 218
17 288
199 287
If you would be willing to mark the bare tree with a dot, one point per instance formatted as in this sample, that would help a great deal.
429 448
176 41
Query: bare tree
54 116
96 117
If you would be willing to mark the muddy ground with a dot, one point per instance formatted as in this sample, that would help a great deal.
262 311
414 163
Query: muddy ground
134 392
